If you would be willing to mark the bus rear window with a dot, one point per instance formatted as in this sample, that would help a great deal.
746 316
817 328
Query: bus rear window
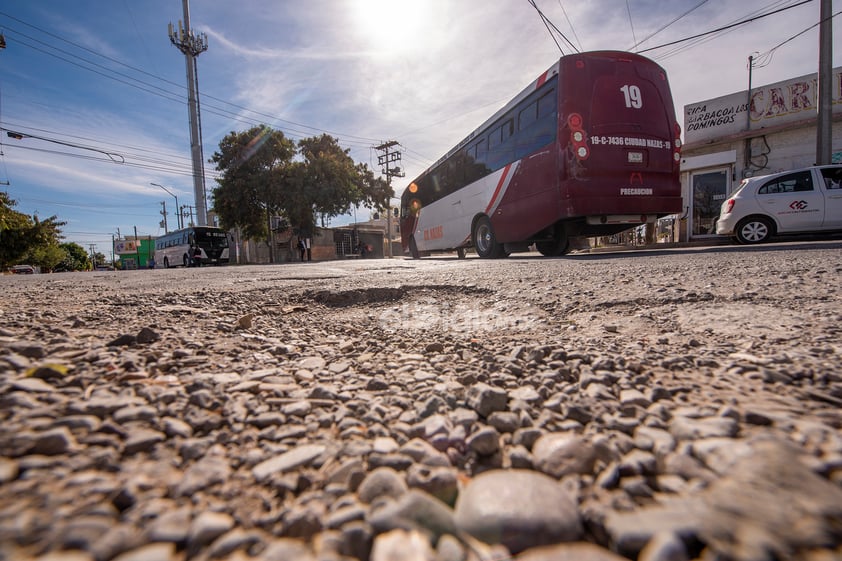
628 102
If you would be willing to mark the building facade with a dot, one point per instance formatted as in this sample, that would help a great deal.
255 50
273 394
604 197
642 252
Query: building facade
134 252
745 134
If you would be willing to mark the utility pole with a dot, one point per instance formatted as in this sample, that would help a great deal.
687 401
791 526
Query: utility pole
177 216
192 46
387 157
164 214
823 120
185 213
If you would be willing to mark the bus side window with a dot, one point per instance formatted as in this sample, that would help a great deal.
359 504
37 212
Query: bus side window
547 104
495 138
507 130
481 151
528 116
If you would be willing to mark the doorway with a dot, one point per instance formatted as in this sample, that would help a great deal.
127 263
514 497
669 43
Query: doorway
710 189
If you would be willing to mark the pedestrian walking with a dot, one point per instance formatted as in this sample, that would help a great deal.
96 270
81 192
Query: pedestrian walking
302 248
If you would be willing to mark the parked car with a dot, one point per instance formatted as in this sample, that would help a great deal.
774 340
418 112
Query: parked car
23 270
790 202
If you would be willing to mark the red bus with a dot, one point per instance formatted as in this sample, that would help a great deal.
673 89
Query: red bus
590 148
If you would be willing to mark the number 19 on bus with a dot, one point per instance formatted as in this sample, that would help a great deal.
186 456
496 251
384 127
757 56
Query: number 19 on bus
633 97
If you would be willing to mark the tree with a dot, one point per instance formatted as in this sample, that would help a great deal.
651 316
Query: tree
76 258
252 165
377 193
46 256
13 232
23 237
261 177
330 183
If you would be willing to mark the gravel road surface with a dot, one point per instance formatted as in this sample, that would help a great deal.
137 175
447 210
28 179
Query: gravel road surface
660 406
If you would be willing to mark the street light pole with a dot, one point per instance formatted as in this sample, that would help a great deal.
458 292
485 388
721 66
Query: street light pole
178 216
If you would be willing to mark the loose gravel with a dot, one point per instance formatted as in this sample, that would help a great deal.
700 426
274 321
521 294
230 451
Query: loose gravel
658 406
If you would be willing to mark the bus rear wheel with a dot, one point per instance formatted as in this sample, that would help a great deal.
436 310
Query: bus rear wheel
485 242
559 245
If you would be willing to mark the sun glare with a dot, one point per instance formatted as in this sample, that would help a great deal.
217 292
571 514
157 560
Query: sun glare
390 25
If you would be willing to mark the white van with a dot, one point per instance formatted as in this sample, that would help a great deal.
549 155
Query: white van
797 201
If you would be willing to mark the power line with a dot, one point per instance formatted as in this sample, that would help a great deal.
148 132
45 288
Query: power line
112 155
169 95
675 50
765 58
176 156
700 4
631 23
570 23
187 172
224 113
552 27
723 28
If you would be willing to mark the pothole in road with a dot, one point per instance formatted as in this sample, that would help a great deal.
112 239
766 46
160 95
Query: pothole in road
436 308
362 296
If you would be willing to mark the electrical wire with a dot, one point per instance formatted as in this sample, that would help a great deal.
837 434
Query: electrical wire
28 201
694 8
153 159
113 156
765 58
173 96
225 112
725 27
570 23
763 12
129 164
552 27
631 23
142 160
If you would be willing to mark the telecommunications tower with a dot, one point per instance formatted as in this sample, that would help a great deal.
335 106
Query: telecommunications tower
192 45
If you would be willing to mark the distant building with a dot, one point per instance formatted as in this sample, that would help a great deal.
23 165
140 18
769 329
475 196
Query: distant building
735 136
135 252
379 221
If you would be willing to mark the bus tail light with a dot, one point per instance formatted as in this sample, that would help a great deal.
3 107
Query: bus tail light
676 154
578 136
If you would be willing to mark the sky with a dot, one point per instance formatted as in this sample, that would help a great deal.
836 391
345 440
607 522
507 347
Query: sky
99 92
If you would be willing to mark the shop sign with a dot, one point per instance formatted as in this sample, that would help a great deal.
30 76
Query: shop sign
772 105
125 246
